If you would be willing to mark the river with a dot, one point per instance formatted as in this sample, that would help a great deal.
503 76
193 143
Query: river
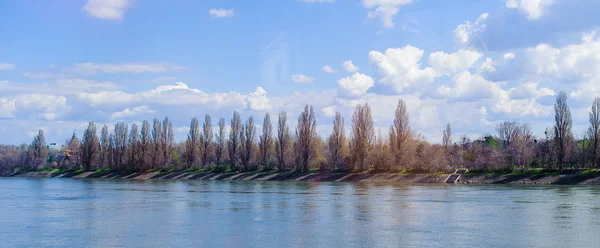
56 212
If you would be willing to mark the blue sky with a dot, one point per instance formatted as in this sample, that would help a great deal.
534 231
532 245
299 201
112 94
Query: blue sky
470 63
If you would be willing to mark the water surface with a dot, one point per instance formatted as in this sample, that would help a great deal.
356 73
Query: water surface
58 212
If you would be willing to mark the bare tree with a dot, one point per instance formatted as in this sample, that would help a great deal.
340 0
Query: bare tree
168 140
247 136
145 145
120 144
157 141
38 150
104 145
74 145
336 142
562 127
206 140
381 153
305 132
89 146
266 140
112 151
400 134
594 130
191 144
508 132
522 145
283 140
362 135
133 146
234 140
447 138
220 142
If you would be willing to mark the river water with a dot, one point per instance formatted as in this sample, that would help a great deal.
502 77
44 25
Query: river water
57 212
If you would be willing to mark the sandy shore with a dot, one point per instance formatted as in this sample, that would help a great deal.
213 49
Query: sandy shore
593 179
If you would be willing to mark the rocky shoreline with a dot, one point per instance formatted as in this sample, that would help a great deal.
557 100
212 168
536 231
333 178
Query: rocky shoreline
570 179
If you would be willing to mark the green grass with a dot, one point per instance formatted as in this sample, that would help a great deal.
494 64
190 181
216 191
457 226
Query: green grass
102 171
589 171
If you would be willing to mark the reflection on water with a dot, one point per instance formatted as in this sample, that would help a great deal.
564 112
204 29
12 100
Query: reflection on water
122 213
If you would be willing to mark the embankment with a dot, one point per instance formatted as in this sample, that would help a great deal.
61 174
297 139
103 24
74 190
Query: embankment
590 179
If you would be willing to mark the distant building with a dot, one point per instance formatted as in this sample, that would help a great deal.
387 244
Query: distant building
54 146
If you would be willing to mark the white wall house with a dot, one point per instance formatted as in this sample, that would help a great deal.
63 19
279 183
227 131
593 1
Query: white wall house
54 146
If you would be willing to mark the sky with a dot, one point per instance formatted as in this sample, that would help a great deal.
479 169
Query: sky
469 63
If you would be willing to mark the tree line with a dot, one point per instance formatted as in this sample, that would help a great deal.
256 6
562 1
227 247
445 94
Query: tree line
297 146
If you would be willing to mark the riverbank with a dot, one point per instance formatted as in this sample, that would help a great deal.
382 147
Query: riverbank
525 178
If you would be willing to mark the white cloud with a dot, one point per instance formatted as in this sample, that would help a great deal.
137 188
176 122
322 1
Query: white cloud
328 111
587 90
466 32
258 100
468 87
65 86
521 107
529 90
136 68
400 68
487 65
6 108
301 78
329 69
385 10
318 1
44 75
221 13
573 62
40 106
448 64
107 9
509 56
7 67
175 95
294 102
349 66
356 85
532 8
129 112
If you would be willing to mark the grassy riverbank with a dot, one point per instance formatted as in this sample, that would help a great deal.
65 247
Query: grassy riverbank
584 177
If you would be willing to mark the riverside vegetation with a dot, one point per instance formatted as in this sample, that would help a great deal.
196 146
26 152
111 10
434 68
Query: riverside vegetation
239 148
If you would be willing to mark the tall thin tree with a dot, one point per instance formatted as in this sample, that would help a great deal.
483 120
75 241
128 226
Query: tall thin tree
89 146
265 141
120 144
283 140
168 140
157 143
247 134
220 142
400 134
363 134
233 144
447 138
594 130
104 146
206 140
145 145
191 144
336 142
305 133
133 147
562 127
